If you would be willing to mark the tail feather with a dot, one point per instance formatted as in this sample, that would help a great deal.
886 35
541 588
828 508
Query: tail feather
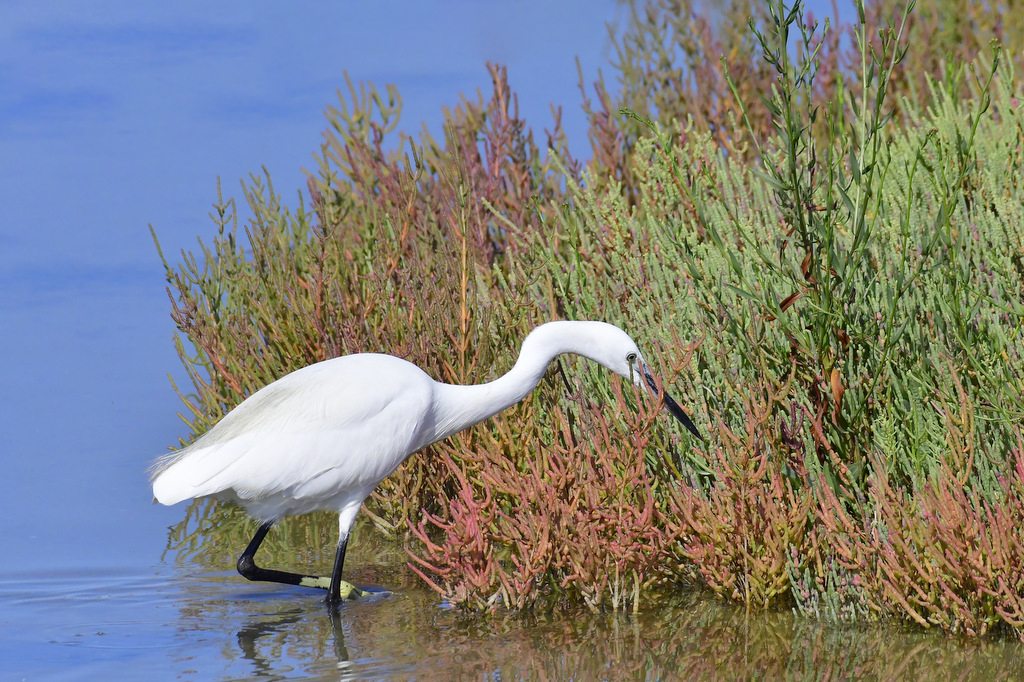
188 473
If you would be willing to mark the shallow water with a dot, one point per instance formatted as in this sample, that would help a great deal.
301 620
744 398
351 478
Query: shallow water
181 621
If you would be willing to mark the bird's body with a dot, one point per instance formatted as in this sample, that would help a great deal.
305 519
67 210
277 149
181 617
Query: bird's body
324 436
312 440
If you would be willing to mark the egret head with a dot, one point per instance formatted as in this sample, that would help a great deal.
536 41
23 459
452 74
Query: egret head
614 349
618 352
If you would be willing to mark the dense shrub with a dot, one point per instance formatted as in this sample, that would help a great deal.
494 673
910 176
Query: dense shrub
819 244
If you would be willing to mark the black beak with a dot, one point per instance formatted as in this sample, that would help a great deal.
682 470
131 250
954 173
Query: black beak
672 406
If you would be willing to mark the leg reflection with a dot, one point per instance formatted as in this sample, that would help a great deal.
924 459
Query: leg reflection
338 629
249 639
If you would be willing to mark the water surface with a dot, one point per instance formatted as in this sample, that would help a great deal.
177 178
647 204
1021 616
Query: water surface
184 621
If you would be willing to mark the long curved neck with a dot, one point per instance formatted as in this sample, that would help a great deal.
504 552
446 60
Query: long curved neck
459 407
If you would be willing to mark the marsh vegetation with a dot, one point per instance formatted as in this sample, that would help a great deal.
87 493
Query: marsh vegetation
819 237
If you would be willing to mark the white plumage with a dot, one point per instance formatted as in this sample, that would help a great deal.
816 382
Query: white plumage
310 437
324 436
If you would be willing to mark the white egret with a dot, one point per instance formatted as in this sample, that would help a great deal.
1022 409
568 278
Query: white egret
323 437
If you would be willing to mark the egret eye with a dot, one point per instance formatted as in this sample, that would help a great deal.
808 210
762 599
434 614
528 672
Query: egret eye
631 358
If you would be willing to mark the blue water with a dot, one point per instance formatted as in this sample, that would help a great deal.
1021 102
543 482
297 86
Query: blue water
170 624
89 404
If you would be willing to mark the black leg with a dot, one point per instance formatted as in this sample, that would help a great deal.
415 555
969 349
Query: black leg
334 592
247 566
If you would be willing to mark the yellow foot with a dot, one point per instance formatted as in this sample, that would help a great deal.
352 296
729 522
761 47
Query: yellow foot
347 590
